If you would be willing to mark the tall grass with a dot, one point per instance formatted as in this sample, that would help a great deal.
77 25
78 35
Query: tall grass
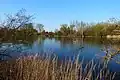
48 67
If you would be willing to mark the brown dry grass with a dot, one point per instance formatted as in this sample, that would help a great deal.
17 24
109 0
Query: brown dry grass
50 68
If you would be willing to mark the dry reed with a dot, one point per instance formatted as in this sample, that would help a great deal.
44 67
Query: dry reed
51 68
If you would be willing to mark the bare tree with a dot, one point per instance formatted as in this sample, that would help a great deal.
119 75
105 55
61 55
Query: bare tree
14 22
18 20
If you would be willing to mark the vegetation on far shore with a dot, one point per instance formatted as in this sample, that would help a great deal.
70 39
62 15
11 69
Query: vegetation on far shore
20 27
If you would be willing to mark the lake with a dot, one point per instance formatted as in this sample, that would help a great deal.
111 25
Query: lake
88 48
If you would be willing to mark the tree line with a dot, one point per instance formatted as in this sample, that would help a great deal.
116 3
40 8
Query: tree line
20 27
82 29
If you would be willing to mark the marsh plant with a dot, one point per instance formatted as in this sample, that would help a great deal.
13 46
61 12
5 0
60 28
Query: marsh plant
46 67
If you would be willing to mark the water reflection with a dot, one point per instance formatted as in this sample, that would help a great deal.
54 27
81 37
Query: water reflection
88 48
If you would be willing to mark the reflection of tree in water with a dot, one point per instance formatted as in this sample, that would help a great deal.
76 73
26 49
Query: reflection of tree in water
100 41
95 41
82 41
40 40
40 44
17 47
65 40
77 44
6 49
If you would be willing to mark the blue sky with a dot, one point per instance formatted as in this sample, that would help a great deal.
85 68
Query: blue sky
52 13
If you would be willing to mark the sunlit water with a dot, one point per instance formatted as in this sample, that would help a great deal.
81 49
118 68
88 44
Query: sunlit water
65 47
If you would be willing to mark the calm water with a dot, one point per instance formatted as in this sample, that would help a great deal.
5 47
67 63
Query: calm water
88 49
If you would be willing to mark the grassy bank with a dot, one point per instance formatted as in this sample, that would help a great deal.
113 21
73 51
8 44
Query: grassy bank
50 68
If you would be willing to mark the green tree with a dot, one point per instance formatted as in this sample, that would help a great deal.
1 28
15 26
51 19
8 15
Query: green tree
40 27
64 29
28 26
80 26
72 26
